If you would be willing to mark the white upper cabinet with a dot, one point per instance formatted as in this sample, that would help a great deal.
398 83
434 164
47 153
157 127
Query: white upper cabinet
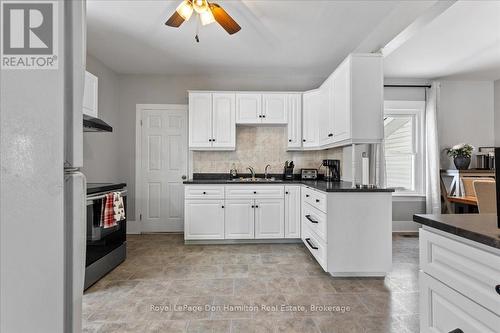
274 108
341 104
212 121
90 95
310 120
294 116
325 113
200 120
223 120
248 108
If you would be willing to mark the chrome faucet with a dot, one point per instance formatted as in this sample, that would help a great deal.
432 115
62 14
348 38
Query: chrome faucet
252 172
265 172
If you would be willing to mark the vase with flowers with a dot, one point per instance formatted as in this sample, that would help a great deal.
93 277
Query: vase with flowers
461 154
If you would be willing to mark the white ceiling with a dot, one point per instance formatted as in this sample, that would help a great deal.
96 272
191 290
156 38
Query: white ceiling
463 43
277 37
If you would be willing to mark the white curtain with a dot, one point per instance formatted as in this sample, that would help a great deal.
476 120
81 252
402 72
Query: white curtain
433 196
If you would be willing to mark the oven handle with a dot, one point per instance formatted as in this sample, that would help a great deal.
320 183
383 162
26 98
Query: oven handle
101 196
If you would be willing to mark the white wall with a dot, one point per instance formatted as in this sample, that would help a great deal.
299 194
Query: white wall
466 115
497 112
100 149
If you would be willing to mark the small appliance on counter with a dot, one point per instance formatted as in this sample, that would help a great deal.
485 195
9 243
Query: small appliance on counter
332 170
485 159
308 174
288 170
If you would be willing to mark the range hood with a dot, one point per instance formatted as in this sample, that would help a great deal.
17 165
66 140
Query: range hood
91 124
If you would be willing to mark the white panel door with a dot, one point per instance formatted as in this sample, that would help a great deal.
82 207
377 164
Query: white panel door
310 121
90 95
292 212
200 120
204 219
274 108
224 121
239 219
163 165
294 110
248 108
341 103
269 218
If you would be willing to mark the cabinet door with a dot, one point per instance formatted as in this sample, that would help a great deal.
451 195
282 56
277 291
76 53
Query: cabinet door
239 219
274 108
200 120
224 121
269 218
248 108
292 212
341 103
90 95
204 219
325 114
294 111
310 122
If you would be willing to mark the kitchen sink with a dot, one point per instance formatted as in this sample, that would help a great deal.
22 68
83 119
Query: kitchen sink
256 180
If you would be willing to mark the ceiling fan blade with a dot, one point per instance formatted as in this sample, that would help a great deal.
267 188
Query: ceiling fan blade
175 20
223 18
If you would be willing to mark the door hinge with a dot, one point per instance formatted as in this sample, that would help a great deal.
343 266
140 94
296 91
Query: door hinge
140 217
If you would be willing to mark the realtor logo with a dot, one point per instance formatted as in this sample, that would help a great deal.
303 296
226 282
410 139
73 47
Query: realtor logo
29 38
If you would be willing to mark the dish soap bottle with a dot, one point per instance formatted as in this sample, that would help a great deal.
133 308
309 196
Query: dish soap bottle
233 174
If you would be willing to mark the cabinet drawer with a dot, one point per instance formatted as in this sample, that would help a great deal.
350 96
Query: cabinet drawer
444 310
259 191
315 220
314 198
315 245
201 192
472 272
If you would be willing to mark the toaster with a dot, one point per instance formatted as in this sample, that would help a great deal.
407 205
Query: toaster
309 174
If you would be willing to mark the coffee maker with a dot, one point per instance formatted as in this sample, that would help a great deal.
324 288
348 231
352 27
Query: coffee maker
332 170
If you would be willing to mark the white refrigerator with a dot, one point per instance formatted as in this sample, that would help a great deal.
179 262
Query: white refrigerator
42 191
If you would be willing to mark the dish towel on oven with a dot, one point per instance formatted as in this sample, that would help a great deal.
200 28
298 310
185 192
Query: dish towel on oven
107 211
118 207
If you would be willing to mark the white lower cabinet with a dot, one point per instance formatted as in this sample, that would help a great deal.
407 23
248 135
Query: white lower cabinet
239 219
444 310
458 282
292 211
269 218
205 219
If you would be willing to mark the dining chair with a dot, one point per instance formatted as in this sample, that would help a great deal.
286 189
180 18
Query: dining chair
486 196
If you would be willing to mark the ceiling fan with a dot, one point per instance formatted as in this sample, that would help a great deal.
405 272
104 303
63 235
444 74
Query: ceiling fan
208 13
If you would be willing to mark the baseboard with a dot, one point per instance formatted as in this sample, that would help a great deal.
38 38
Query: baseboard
404 226
133 227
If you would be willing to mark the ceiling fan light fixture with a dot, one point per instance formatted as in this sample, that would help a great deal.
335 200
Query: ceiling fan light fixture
207 17
185 9
200 6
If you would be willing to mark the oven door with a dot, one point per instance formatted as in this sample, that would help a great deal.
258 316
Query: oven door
100 240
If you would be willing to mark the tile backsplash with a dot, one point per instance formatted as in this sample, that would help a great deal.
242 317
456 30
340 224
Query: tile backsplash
258 146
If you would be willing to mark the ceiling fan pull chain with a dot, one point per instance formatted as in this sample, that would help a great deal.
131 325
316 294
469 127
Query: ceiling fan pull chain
197 38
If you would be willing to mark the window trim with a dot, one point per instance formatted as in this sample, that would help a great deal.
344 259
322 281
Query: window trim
416 109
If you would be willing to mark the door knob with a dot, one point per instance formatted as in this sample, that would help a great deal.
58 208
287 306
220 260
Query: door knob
183 177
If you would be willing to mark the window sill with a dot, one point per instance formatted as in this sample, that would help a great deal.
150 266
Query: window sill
407 197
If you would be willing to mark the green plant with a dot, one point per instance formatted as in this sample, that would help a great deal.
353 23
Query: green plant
463 150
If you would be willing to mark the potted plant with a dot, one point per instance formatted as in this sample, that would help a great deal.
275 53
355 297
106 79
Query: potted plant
461 154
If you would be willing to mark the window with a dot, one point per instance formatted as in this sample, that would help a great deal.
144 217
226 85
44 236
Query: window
404 135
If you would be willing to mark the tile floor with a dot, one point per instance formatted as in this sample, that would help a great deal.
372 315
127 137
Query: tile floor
166 286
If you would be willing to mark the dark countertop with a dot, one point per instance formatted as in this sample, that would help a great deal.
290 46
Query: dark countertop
321 185
103 187
481 228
